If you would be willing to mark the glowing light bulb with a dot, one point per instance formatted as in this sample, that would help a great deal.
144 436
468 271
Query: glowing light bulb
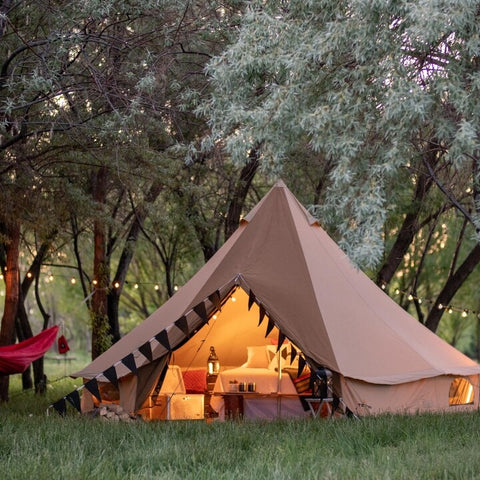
439 306
95 282
234 299
410 297
73 281
157 287
116 285
29 275
464 313
136 286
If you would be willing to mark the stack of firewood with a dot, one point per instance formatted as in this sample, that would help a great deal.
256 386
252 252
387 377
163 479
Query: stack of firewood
113 412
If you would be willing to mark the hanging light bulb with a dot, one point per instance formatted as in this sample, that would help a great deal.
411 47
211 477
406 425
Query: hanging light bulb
410 297
157 287
29 275
73 281
464 313
439 306
95 282
135 286
450 310
116 285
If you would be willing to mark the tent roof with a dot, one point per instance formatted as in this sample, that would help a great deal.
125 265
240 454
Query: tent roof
316 297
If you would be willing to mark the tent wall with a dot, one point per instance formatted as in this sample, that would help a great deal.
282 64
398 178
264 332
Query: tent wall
425 395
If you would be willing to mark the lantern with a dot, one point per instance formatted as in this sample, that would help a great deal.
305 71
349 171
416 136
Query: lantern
213 365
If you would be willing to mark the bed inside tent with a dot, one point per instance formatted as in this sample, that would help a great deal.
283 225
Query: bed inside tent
256 378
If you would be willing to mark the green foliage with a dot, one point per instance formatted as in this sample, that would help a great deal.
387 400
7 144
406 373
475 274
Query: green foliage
365 85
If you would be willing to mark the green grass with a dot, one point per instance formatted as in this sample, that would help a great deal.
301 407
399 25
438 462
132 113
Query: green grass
34 445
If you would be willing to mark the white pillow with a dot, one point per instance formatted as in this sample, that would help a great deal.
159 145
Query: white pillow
257 357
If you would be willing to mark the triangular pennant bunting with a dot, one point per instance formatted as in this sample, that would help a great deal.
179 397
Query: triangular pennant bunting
269 327
251 299
92 387
146 351
293 354
111 374
182 324
281 338
201 311
129 362
162 339
262 314
301 365
74 399
60 406
216 299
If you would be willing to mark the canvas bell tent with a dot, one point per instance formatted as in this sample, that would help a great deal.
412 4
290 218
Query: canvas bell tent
289 276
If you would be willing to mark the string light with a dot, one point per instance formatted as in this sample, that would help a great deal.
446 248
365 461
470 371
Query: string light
73 280
116 285
29 275
449 308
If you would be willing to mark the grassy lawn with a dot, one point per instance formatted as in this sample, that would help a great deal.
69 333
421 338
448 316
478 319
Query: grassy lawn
36 446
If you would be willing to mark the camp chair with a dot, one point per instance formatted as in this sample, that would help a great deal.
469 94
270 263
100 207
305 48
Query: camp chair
323 399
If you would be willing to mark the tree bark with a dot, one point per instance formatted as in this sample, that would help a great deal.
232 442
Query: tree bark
451 287
242 187
100 327
12 292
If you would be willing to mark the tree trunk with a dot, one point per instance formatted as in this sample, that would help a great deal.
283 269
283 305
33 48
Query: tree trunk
242 187
12 291
451 287
406 234
100 326
126 257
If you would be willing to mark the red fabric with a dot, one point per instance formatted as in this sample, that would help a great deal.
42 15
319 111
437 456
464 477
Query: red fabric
195 381
63 345
17 357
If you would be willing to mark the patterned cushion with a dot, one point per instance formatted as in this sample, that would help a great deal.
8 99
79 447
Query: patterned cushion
195 381
302 383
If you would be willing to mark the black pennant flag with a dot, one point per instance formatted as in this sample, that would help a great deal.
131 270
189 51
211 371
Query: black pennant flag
216 299
301 365
293 354
281 338
74 399
129 362
111 374
251 299
92 387
162 338
146 351
201 311
262 315
269 327
182 324
60 406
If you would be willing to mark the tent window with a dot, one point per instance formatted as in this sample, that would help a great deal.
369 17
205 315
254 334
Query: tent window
461 392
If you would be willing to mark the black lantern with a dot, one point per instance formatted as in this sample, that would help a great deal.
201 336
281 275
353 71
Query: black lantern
213 365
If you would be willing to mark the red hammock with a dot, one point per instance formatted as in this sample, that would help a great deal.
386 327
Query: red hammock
17 357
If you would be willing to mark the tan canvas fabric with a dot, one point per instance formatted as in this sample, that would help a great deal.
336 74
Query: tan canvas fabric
316 297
